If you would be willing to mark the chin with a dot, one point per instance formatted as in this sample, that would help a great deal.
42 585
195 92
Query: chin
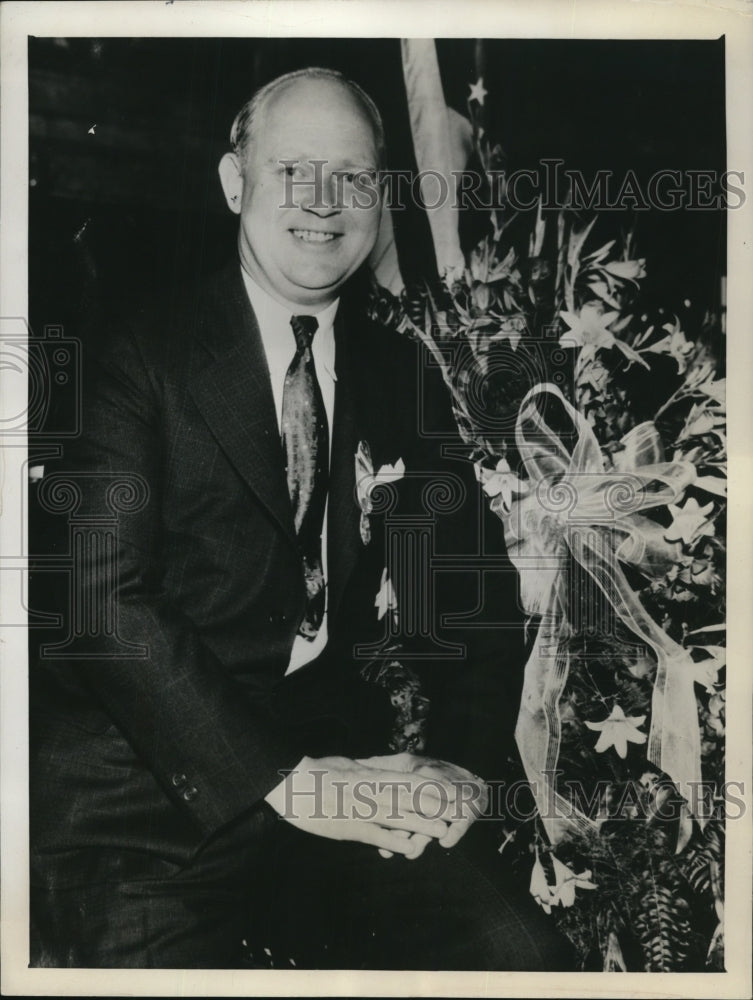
316 287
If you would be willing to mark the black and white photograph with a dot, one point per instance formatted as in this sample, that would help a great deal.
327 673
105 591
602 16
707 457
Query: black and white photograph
366 524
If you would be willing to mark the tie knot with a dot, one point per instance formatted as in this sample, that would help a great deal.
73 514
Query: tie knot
304 328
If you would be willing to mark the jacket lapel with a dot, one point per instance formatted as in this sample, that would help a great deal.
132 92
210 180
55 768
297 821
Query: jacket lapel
234 394
343 518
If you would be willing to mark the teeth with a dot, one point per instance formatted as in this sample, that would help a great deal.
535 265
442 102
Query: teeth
311 236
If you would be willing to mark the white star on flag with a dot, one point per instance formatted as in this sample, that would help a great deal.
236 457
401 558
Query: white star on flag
477 91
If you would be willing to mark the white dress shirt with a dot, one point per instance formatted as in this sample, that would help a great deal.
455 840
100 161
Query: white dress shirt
279 345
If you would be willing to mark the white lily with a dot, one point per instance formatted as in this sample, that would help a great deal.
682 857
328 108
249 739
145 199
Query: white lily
500 484
689 521
617 730
628 270
590 331
539 887
706 672
566 882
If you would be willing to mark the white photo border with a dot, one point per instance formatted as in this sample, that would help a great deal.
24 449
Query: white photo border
588 19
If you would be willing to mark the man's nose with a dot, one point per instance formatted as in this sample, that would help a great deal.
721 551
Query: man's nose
324 197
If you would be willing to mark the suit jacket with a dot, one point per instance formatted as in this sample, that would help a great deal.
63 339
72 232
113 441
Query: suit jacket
175 721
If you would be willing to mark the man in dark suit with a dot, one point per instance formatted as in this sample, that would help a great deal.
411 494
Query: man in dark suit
188 778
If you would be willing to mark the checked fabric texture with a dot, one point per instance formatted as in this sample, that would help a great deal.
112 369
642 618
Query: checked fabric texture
305 438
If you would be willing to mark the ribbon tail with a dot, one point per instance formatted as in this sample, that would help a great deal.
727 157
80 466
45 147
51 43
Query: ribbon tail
537 732
674 743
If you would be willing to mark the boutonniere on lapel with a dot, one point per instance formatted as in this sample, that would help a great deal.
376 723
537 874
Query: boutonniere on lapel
386 598
367 479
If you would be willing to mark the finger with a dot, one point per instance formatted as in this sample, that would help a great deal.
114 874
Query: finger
410 784
472 798
403 762
457 777
388 854
413 795
441 769
428 799
418 842
387 840
413 823
456 832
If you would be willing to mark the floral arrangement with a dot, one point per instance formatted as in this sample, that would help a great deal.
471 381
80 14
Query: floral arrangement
596 421
384 668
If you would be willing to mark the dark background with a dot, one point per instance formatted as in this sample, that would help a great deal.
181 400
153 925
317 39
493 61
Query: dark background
137 204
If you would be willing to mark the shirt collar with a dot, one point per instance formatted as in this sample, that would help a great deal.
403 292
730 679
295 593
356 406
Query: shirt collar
276 333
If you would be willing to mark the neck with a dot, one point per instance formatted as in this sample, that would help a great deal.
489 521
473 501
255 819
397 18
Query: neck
296 308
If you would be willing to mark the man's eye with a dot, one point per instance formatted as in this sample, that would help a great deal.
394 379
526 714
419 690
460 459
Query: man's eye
353 176
364 177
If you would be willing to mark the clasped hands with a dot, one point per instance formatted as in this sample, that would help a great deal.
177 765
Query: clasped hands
398 803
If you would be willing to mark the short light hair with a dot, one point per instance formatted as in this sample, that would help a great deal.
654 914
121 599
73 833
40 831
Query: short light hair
242 131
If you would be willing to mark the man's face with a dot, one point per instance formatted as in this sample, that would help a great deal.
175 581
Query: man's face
301 237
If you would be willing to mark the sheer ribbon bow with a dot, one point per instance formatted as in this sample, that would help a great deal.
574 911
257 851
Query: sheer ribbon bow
575 509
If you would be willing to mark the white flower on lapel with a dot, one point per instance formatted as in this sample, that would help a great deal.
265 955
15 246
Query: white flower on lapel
386 598
367 479
391 473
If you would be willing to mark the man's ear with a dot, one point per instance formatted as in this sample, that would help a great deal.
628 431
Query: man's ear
231 178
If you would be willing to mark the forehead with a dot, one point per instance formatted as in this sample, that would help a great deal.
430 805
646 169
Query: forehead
316 118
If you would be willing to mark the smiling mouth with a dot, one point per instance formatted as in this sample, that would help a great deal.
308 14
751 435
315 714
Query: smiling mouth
313 235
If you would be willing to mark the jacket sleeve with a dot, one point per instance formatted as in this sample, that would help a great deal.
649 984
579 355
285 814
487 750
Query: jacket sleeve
212 748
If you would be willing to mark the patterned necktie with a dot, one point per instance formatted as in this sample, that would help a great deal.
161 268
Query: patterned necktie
305 439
